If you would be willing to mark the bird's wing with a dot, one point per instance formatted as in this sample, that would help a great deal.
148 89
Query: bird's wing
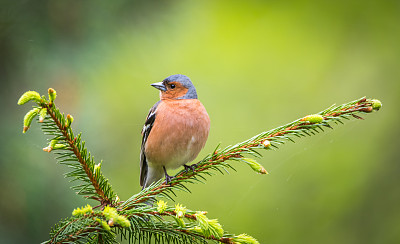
148 125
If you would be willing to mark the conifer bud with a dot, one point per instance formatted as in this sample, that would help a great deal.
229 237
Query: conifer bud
245 239
97 168
254 165
111 222
29 95
51 146
313 119
113 217
59 146
70 119
29 117
110 212
82 211
42 114
376 104
161 206
180 210
52 95
266 143
123 221
209 227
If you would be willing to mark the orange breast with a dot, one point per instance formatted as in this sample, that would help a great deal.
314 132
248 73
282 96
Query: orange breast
179 132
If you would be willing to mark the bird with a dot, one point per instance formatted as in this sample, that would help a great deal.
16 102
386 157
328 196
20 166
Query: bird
175 130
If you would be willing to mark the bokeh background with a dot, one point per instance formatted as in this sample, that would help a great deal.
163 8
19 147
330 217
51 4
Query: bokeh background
256 65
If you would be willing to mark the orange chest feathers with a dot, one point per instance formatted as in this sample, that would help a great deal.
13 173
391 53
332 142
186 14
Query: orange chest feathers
179 132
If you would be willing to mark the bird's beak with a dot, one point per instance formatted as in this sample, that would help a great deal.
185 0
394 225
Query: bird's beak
159 85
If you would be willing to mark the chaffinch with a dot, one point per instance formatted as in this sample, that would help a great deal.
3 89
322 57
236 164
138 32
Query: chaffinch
175 131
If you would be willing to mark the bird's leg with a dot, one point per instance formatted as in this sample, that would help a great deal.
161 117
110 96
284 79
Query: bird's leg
192 167
168 178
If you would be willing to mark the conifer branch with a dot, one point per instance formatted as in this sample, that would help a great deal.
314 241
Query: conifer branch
136 219
70 149
83 161
306 126
145 223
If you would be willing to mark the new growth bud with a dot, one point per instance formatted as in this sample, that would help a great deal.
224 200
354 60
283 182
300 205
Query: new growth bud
82 211
161 206
97 168
376 104
59 146
51 146
180 213
42 114
266 143
113 217
29 117
313 119
123 221
209 227
245 239
111 222
52 95
29 95
180 210
110 212
254 165
70 119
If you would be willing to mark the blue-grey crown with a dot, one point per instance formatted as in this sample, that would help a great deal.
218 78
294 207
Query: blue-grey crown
186 82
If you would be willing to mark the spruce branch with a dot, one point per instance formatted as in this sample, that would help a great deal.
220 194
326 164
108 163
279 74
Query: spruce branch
272 139
136 219
70 149
172 224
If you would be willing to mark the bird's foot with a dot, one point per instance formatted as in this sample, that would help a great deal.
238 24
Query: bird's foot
168 178
188 167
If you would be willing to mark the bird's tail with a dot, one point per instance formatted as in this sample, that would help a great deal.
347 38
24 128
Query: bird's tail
153 174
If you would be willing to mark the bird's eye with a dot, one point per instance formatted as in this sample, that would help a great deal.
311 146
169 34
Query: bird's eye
172 86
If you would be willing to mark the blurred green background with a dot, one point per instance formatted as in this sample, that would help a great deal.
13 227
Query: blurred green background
256 65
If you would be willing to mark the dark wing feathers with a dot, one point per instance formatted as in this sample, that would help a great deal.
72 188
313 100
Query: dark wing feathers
148 125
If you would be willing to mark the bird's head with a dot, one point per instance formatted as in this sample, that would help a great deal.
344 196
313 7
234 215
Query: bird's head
176 87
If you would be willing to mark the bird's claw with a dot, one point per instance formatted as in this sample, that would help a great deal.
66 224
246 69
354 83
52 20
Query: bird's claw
168 178
192 167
